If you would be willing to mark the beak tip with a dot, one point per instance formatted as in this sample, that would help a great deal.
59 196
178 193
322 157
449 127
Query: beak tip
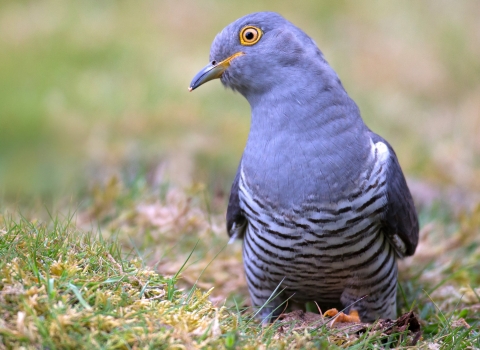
190 89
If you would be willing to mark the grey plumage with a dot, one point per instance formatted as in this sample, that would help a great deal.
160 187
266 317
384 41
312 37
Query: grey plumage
319 200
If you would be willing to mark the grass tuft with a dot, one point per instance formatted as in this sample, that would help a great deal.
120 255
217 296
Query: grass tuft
61 288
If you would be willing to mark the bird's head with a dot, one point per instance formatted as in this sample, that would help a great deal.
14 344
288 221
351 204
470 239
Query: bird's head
258 52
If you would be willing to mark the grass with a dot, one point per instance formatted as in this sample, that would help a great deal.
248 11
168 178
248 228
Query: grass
164 278
64 289
96 120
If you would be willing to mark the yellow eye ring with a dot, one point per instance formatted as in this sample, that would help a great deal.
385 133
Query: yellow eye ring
250 35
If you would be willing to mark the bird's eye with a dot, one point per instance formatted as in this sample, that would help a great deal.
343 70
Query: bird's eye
250 35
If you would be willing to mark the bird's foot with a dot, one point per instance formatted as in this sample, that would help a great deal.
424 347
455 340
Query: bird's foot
341 317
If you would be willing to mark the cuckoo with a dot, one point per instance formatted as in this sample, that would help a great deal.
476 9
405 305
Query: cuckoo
319 200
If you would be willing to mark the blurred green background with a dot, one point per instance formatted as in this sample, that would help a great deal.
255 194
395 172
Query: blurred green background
91 89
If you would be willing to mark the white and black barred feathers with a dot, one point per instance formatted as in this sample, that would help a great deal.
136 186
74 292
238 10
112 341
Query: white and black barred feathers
332 253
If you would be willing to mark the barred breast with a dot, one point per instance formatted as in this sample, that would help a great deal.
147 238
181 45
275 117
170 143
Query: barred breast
331 253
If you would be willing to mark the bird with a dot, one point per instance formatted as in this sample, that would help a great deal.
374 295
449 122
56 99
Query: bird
319 200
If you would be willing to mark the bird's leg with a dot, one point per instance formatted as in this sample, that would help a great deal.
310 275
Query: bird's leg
341 317
269 315
371 298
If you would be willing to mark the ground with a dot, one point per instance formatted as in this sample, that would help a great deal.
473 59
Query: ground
152 268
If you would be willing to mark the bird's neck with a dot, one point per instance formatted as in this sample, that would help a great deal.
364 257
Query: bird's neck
305 136
318 105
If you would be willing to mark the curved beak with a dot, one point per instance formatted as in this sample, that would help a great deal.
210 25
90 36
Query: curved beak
212 71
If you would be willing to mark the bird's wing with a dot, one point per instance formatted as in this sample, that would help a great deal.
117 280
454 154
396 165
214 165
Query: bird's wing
400 223
236 221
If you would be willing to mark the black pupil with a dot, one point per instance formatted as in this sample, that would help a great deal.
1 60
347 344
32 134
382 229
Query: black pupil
249 35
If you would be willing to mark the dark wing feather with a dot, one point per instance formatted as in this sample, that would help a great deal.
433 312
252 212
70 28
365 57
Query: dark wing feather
236 221
401 221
